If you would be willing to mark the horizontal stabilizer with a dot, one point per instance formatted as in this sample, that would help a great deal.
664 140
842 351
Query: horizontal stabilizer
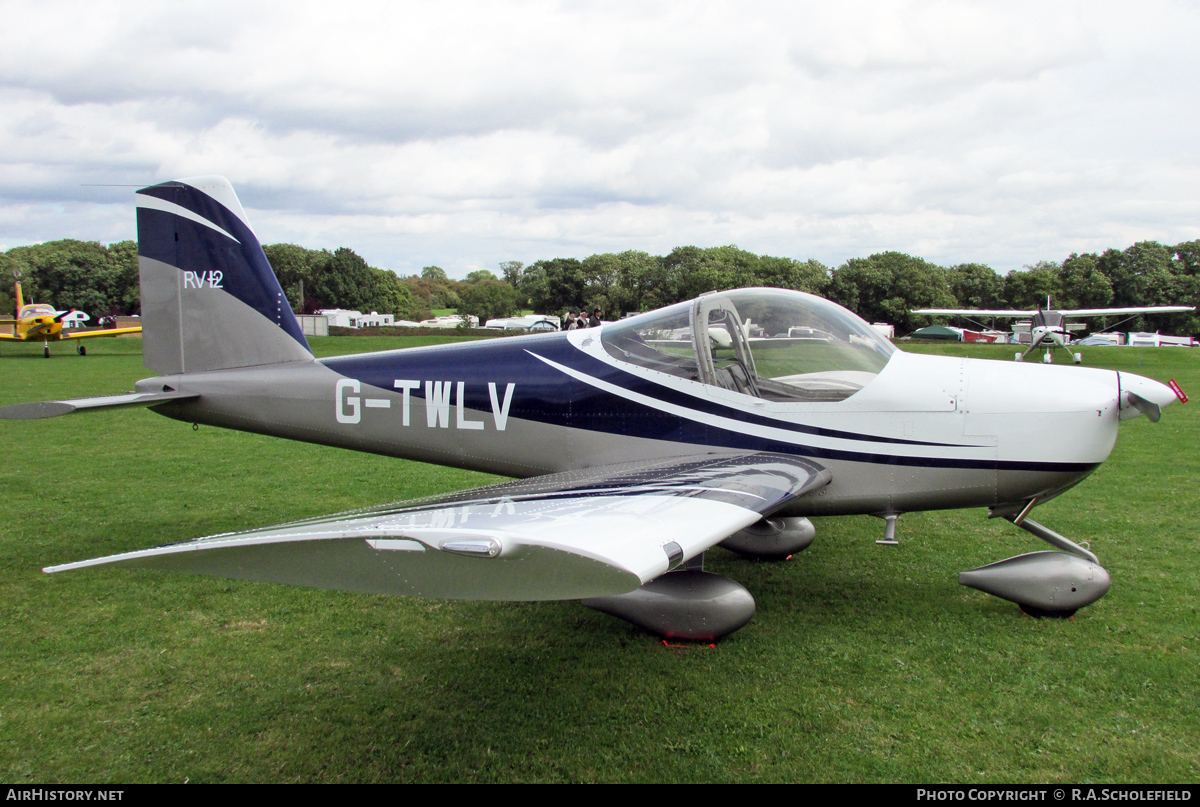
591 533
49 409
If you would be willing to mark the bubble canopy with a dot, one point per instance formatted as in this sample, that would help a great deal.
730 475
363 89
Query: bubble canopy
773 344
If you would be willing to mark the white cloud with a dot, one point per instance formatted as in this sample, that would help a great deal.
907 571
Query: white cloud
466 133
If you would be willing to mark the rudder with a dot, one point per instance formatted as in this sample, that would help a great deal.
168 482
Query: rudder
210 299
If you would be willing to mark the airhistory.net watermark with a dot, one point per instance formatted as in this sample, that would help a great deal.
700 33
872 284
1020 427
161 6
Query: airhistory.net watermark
55 794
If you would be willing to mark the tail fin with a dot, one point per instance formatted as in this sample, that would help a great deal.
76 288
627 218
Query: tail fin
20 302
210 300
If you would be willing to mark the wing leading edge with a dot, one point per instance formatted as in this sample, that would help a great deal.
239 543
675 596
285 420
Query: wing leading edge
1066 312
589 533
96 332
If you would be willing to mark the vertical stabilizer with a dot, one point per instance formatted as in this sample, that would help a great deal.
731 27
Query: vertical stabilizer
20 302
210 300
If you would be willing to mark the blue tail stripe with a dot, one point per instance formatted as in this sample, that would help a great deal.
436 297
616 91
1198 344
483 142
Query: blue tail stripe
245 271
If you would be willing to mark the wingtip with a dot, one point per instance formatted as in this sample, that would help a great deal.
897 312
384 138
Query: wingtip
36 411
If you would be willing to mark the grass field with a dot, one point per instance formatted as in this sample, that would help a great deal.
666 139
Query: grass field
863 663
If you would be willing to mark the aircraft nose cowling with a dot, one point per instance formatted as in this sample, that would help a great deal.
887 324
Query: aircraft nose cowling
1042 414
1014 388
1143 396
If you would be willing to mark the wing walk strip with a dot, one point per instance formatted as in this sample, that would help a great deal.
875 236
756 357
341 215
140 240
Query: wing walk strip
622 477
576 534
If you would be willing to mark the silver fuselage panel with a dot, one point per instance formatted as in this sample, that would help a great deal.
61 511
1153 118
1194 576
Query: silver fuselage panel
926 433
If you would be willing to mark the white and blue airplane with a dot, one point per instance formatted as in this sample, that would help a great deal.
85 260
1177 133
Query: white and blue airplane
639 445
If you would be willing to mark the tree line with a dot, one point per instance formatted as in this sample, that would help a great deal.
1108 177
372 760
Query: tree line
102 280
883 287
84 275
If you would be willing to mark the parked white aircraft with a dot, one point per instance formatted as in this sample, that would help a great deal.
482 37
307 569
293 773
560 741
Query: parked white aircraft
641 444
1049 325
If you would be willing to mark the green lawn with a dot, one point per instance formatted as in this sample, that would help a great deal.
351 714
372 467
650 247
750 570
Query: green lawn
863 663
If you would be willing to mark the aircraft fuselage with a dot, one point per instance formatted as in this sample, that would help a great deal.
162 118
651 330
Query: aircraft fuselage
927 433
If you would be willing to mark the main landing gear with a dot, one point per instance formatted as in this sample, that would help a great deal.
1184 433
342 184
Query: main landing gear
81 349
695 605
1049 359
691 604
1041 337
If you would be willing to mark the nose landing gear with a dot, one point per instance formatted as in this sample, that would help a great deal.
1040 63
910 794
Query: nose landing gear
1043 584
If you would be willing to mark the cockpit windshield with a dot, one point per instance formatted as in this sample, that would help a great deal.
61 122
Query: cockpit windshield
660 340
769 343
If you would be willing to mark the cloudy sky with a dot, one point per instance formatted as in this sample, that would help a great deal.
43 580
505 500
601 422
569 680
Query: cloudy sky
467 133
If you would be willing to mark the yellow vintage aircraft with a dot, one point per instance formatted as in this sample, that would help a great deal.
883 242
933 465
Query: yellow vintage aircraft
38 321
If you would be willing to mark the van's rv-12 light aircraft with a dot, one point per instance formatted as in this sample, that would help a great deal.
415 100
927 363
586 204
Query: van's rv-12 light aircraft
640 444
1048 326
38 322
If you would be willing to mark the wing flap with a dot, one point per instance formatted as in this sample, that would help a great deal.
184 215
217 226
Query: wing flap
593 533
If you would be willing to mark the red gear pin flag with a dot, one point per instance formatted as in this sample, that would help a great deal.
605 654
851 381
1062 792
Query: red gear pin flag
1178 392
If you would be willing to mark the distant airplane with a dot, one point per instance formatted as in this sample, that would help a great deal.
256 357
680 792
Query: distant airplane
641 444
75 319
1049 325
38 322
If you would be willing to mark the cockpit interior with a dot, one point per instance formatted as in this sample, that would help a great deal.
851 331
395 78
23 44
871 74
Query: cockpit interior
37 310
773 344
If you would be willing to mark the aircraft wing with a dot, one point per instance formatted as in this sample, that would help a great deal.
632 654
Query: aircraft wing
99 332
588 533
1077 312
978 312
11 338
1104 312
